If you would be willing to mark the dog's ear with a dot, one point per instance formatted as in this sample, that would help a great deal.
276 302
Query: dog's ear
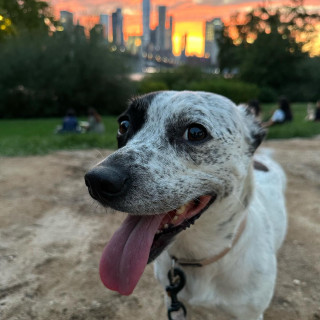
255 133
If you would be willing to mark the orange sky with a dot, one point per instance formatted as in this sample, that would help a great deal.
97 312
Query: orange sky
189 15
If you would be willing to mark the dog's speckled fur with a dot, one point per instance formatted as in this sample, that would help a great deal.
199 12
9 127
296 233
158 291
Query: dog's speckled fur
166 171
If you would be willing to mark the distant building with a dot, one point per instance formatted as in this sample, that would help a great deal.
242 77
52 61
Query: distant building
96 34
157 42
202 62
184 41
161 34
146 23
79 33
212 33
169 34
134 44
117 28
153 36
66 19
104 21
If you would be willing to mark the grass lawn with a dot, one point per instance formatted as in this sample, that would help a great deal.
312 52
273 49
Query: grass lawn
299 127
35 136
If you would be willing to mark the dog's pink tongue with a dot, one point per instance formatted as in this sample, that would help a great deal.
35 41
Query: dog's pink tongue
126 255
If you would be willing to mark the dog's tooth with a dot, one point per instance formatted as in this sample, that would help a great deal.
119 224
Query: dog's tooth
166 226
175 218
181 209
158 231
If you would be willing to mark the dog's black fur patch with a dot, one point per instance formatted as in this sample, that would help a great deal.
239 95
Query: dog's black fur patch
136 114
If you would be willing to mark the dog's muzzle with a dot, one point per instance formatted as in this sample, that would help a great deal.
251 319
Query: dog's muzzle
105 183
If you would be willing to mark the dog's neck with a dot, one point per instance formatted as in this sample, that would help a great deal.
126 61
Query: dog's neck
216 231
213 259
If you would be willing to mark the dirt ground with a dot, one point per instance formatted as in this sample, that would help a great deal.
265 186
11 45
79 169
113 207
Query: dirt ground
52 235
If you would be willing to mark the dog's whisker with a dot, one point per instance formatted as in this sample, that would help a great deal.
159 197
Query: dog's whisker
99 153
240 202
99 196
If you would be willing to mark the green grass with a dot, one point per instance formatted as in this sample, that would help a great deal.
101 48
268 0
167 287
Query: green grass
298 127
35 136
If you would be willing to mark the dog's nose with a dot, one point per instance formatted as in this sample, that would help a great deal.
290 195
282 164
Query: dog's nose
104 182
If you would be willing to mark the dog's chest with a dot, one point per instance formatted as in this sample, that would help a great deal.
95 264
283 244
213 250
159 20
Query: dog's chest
205 288
201 291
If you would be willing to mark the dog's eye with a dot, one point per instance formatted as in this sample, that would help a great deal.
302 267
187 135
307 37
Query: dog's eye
123 127
195 132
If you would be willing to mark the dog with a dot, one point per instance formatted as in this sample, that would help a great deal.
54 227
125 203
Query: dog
195 193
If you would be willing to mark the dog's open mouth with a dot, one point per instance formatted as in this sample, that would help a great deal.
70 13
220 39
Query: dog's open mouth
140 239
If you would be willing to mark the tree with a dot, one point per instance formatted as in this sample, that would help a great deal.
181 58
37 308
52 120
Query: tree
230 55
270 61
17 16
45 76
291 22
268 44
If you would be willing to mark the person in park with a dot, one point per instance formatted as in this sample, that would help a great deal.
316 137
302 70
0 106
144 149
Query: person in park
95 121
254 107
281 115
69 124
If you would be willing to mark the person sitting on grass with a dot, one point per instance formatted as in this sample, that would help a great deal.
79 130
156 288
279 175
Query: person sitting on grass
281 115
69 123
95 121
254 107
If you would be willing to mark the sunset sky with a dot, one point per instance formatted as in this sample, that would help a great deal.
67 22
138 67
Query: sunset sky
189 16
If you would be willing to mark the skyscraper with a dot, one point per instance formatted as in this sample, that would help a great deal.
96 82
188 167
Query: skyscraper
169 33
160 43
212 34
117 28
79 33
66 19
161 28
183 46
96 34
104 21
146 23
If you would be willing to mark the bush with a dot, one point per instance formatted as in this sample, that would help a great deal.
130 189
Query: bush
236 91
147 86
45 76
267 94
307 87
192 78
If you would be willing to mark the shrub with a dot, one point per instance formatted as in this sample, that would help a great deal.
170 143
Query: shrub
267 94
147 86
237 91
45 76
192 78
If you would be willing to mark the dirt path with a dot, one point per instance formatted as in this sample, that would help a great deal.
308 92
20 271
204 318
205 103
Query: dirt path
52 235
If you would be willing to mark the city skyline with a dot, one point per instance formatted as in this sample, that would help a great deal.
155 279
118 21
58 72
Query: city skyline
189 16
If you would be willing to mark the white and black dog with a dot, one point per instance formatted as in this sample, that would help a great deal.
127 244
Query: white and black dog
186 158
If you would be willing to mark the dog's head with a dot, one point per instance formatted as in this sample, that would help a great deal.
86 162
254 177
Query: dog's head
179 153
